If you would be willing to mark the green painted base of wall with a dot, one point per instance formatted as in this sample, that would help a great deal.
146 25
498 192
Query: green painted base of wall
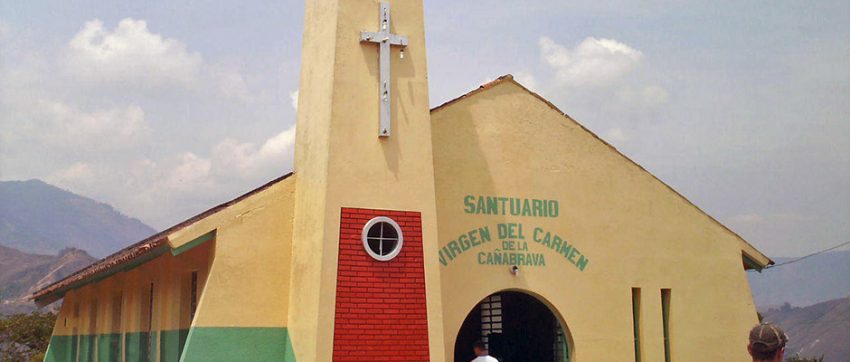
136 347
87 348
109 347
238 344
103 347
62 348
171 344
141 346
197 344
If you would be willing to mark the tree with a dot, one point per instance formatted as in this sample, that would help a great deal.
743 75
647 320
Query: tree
24 336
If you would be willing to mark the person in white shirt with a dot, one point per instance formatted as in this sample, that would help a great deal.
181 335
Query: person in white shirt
481 351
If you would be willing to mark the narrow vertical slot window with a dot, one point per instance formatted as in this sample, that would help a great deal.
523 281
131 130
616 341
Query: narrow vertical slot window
143 344
116 339
93 317
91 338
76 332
636 321
194 295
665 315
116 312
151 340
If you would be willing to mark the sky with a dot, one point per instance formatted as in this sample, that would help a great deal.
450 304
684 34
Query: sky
163 109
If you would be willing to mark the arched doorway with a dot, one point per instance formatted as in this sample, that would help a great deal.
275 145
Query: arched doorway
516 327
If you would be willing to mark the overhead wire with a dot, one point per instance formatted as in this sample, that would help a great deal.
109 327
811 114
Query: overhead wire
808 256
808 322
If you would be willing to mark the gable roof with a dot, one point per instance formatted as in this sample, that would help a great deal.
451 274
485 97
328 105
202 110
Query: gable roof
157 244
752 257
135 254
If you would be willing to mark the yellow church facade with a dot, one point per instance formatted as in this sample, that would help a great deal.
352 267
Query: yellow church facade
408 233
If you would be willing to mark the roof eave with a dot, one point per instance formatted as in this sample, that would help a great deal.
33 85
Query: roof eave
133 255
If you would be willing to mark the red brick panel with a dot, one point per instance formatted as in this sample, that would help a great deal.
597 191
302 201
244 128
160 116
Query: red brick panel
380 305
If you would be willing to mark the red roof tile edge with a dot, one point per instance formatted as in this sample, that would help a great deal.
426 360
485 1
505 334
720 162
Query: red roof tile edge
141 248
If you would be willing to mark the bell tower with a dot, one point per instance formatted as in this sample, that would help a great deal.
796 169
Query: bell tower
365 215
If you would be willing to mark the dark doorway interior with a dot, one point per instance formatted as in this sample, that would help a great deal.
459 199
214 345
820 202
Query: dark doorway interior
516 327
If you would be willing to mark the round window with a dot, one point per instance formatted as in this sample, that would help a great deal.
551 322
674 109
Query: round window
382 238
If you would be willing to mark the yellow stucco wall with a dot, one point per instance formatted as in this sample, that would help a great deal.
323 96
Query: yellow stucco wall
273 259
241 254
633 230
113 319
248 285
171 277
341 161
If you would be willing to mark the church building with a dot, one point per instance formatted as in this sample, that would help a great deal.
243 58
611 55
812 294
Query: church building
406 234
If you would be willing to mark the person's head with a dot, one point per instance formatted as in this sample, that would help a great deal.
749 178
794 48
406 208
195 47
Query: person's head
767 343
480 348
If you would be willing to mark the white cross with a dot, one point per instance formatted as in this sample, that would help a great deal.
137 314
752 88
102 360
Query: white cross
385 39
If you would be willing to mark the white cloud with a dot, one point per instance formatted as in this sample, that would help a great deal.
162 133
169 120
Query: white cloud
293 97
231 83
131 53
642 97
595 62
79 173
66 118
655 95
4 30
617 135
55 124
247 159
527 80
133 57
191 173
183 184
776 218
281 144
748 219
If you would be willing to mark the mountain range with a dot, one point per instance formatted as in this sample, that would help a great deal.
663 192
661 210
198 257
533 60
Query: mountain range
36 217
810 299
804 282
819 330
21 274
45 231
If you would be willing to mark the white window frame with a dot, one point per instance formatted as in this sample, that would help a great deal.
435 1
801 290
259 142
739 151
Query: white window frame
365 238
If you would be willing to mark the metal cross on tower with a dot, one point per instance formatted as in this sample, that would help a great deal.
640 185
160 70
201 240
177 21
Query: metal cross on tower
385 39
